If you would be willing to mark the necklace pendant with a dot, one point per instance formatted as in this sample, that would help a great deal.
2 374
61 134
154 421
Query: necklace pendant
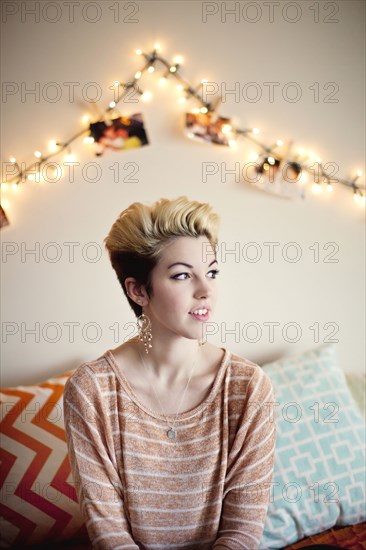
172 434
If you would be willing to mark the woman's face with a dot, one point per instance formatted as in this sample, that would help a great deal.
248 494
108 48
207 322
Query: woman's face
180 289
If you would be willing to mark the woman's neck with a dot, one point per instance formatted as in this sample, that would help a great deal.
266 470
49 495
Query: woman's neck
170 362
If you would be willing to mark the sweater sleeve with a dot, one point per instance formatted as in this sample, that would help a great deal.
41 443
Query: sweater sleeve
93 465
250 469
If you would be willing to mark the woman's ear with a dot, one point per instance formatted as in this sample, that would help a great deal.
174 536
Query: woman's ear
136 291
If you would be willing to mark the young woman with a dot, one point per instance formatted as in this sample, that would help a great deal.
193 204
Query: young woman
171 439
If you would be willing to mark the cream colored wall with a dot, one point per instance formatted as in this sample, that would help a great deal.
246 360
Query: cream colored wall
39 292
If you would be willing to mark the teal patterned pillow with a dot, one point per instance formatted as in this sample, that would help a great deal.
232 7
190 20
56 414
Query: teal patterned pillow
319 477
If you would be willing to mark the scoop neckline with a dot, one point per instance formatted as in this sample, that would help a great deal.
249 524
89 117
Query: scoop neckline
181 416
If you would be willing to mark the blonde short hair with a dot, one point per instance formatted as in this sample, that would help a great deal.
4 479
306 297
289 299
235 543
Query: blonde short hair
140 233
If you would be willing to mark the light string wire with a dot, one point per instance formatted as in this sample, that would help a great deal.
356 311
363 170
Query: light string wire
173 70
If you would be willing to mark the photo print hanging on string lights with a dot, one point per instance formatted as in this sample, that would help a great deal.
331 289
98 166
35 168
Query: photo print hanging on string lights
278 174
3 219
119 134
208 127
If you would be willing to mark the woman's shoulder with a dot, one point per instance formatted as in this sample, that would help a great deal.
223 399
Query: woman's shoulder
234 364
89 391
242 364
253 374
86 375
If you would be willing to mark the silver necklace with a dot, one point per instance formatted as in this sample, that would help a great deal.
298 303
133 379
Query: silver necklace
171 433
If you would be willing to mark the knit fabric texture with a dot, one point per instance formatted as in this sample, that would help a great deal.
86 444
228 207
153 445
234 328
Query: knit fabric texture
137 488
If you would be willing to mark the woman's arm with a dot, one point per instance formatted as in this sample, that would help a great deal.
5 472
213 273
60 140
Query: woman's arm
250 470
97 483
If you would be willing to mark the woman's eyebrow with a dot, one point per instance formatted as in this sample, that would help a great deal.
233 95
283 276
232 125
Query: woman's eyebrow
188 265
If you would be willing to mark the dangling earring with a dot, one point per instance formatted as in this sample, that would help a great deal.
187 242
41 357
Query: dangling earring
144 330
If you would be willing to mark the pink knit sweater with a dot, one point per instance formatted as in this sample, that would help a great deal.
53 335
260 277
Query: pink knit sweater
139 489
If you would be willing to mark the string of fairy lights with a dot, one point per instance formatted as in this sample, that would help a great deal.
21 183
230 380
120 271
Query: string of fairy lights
301 162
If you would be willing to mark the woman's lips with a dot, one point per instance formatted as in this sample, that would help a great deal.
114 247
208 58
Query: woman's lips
200 317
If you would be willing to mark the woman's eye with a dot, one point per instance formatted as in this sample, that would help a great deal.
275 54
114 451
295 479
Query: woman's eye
184 276
215 272
178 275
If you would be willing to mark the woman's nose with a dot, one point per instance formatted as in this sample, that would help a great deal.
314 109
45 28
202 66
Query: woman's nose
203 289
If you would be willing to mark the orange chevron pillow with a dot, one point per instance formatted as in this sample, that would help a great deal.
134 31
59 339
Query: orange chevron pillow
38 501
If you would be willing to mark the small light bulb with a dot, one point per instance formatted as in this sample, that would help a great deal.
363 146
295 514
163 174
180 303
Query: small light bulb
37 154
138 75
138 52
204 110
182 100
196 110
69 158
255 130
173 69
12 159
180 87
151 69
279 142
271 160
226 129
178 59
232 143
162 80
116 83
30 177
146 96
15 187
316 188
85 119
254 156
112 104
156 46
356 196
303 177
359 173
52 146
4 185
